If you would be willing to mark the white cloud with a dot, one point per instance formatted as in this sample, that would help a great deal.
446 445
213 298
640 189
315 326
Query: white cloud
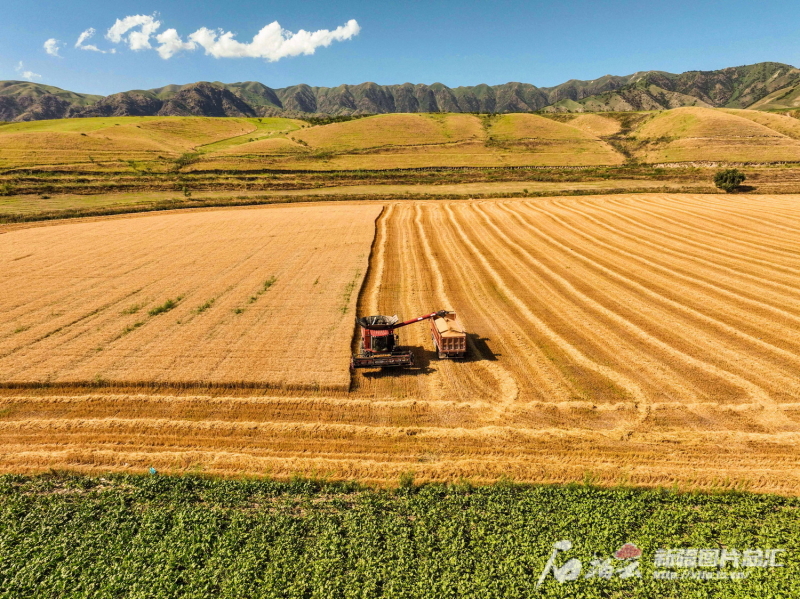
85 36
171 44
272 42
137 40
51 47
29 75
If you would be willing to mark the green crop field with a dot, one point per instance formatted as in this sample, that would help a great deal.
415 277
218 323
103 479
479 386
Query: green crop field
157 537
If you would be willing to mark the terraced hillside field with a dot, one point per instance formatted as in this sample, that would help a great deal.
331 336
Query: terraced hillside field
202 298
644 339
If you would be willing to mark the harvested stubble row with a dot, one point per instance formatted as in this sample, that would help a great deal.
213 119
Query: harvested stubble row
649 301
229 298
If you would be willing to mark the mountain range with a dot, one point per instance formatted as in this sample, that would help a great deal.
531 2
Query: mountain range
764 86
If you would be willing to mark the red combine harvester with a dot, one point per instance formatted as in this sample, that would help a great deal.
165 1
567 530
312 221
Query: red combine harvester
379 348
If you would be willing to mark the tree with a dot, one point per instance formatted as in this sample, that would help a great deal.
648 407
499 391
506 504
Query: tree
729 179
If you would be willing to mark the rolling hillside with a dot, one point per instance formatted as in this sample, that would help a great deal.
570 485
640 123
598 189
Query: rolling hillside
399 141
703 134
416 140
785 98
108 143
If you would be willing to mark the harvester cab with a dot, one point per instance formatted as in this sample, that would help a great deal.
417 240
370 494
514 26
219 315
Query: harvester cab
379 343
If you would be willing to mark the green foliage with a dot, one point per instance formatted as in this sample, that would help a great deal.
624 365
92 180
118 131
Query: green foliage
131 327
329 119
186 159
348 293
165 307
6 189
729 179
254 298
406 481
65 535
132 309
268 283
205 306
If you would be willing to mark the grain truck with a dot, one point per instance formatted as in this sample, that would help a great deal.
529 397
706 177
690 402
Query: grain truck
448 335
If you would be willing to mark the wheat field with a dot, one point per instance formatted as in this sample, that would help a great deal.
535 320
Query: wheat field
185 299
644 339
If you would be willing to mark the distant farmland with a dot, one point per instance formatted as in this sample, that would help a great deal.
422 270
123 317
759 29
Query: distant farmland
644 339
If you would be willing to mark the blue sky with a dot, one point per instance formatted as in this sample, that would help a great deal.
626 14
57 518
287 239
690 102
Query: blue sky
456 43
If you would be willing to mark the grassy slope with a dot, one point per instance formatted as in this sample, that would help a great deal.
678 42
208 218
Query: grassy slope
699 134
82 141
528 138
787 97
397 141
596 124
783 124
265 129
419 140
393 130
155 536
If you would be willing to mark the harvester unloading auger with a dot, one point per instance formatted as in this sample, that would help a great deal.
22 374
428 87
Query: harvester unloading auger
380 348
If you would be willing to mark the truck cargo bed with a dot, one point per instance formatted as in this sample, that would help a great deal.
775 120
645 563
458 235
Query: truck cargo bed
449 336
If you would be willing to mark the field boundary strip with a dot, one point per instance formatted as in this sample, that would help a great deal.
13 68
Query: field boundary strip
239 202
293 171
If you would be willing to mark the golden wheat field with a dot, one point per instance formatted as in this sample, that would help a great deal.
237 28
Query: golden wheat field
644 339
185 299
